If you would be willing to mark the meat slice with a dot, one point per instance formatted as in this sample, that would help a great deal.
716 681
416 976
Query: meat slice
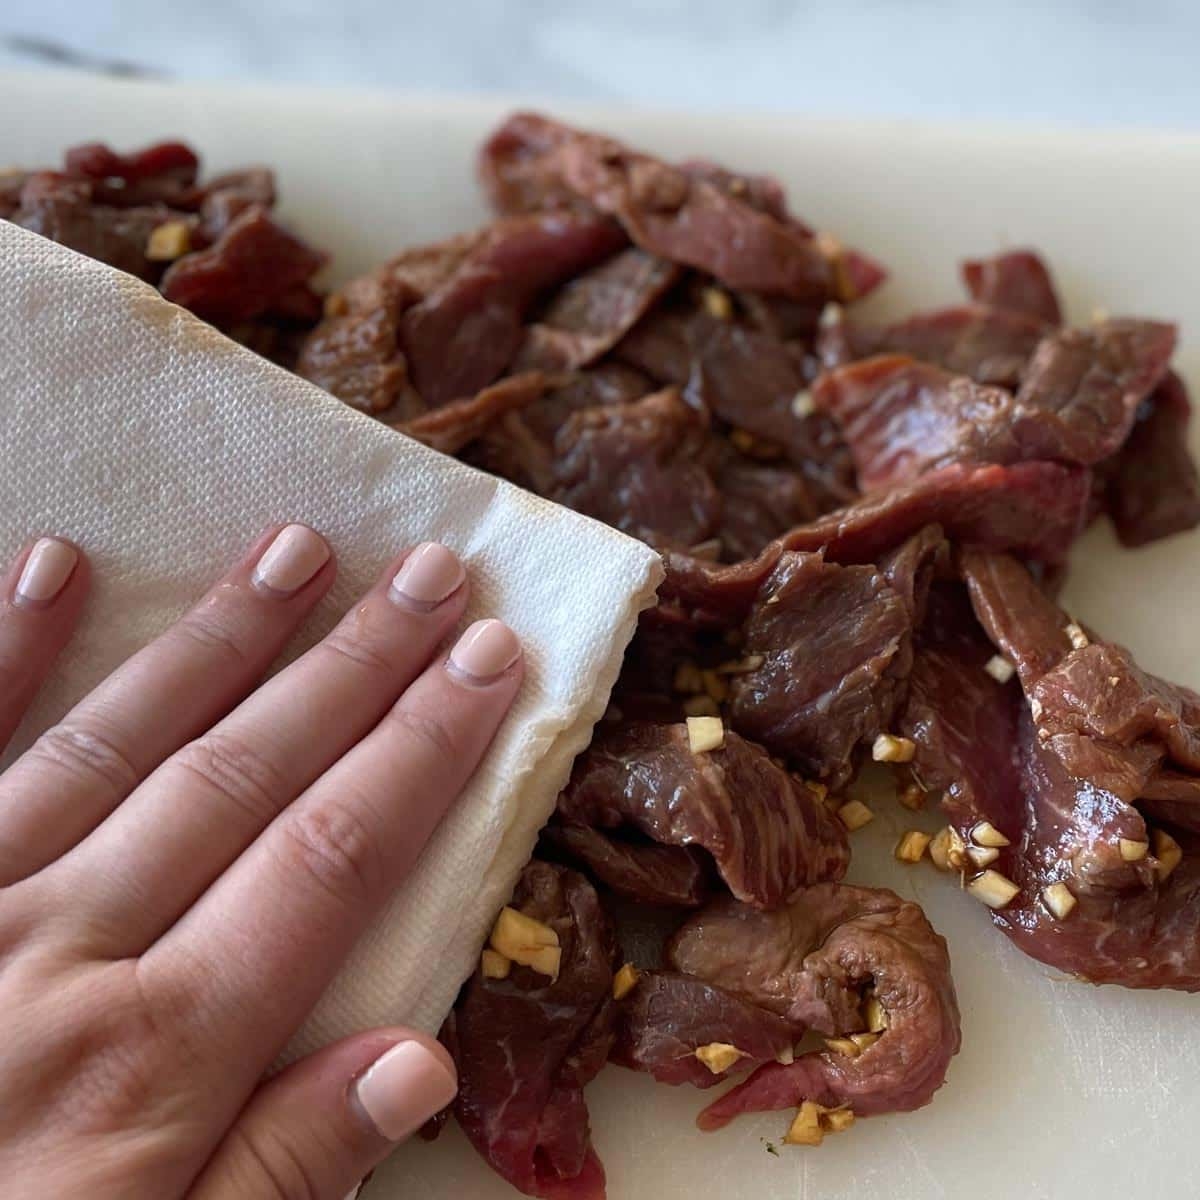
834 644
589 314
639 467
1018 281
1153 489
526 1046
693 217
767 833
163 173
814 963
668 1017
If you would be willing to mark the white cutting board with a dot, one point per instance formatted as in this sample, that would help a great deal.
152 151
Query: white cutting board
1062 1091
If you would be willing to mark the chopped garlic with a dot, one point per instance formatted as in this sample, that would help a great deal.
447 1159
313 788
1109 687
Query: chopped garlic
983 856
805 1130
911 847
624 981
495 965
526 941
718 1057
1168 852
717 303
875 1015
715 686
704 734
1059 899
741 666
887 748
1132 851
1079 639
786 1056
1035 708
688 679
854 814
701 706
168 241
913 797
999 668
864 1040
820 790
837 1120
948 850
844 1046
831 315
994 889
803 405
984 833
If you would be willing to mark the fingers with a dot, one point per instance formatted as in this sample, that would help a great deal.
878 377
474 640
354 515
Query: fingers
41 597
317 1128
258 949
150 861
164 696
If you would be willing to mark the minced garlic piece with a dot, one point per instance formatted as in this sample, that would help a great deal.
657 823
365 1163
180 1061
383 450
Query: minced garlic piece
887 748
717 303
526 941
701 706
624 981
912 797
999 668
688 679
911 847
984 833
1078 638
168 241
495 965
820 790
1168 852
875 1015
1132 851
948 850
983 856
741 666
803 405
994 889
837 1120
786 1056
854 814
806 1129
718 1057
831 315
1059 899
715 686
704 734
844 1046
864 1040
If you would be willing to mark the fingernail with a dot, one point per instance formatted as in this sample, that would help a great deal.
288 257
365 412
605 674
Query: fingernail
429 575
291 560
46 571
487 649
403 1088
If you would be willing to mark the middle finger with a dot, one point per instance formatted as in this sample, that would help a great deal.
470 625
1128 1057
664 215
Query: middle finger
144 867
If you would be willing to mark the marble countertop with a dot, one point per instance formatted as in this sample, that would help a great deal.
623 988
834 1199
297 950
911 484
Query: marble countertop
1107 62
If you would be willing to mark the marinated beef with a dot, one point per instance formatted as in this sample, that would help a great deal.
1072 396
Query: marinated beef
1018 281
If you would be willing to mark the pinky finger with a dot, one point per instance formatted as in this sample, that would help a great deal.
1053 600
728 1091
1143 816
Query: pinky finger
41 596
316 1129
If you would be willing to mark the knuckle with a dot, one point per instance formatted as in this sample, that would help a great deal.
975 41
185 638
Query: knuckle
229 768
336 849
269 1166
429 732
361 652
215 631
89 754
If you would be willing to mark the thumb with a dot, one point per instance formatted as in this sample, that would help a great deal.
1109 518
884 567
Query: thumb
313 1131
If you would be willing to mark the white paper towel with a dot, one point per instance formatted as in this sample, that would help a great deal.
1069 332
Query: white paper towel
163 448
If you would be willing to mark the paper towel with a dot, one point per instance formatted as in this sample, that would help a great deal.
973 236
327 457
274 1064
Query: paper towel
164 448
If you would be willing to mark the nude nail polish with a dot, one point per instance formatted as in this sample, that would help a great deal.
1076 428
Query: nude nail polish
46 571
487 649
429 575
291 560
403 1088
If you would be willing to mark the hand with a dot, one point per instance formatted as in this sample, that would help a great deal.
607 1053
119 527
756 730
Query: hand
188 857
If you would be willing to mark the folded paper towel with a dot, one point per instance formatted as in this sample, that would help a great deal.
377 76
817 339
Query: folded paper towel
163 448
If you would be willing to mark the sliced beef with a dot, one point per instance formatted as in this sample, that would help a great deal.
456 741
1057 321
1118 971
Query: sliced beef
1153 490
1018 281
767 833
834 644
696 218
813 964
589 314
526 1046
639 467
668 1017
163 173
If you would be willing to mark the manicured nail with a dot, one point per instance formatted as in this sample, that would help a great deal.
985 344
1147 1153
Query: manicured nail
291 560
403 1088
487 649
429 575
46 571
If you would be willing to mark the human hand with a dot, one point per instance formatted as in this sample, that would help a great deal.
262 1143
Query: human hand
187 858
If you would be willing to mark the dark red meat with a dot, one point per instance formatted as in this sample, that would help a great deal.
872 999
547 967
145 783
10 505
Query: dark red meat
1017 280
812 963
767 833
526 1046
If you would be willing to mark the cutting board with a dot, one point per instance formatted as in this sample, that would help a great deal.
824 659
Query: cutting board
1062 1091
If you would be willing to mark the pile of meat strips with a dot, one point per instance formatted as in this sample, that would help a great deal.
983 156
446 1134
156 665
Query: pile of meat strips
864 528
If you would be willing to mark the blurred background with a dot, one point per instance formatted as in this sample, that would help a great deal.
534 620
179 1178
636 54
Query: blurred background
1124 62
